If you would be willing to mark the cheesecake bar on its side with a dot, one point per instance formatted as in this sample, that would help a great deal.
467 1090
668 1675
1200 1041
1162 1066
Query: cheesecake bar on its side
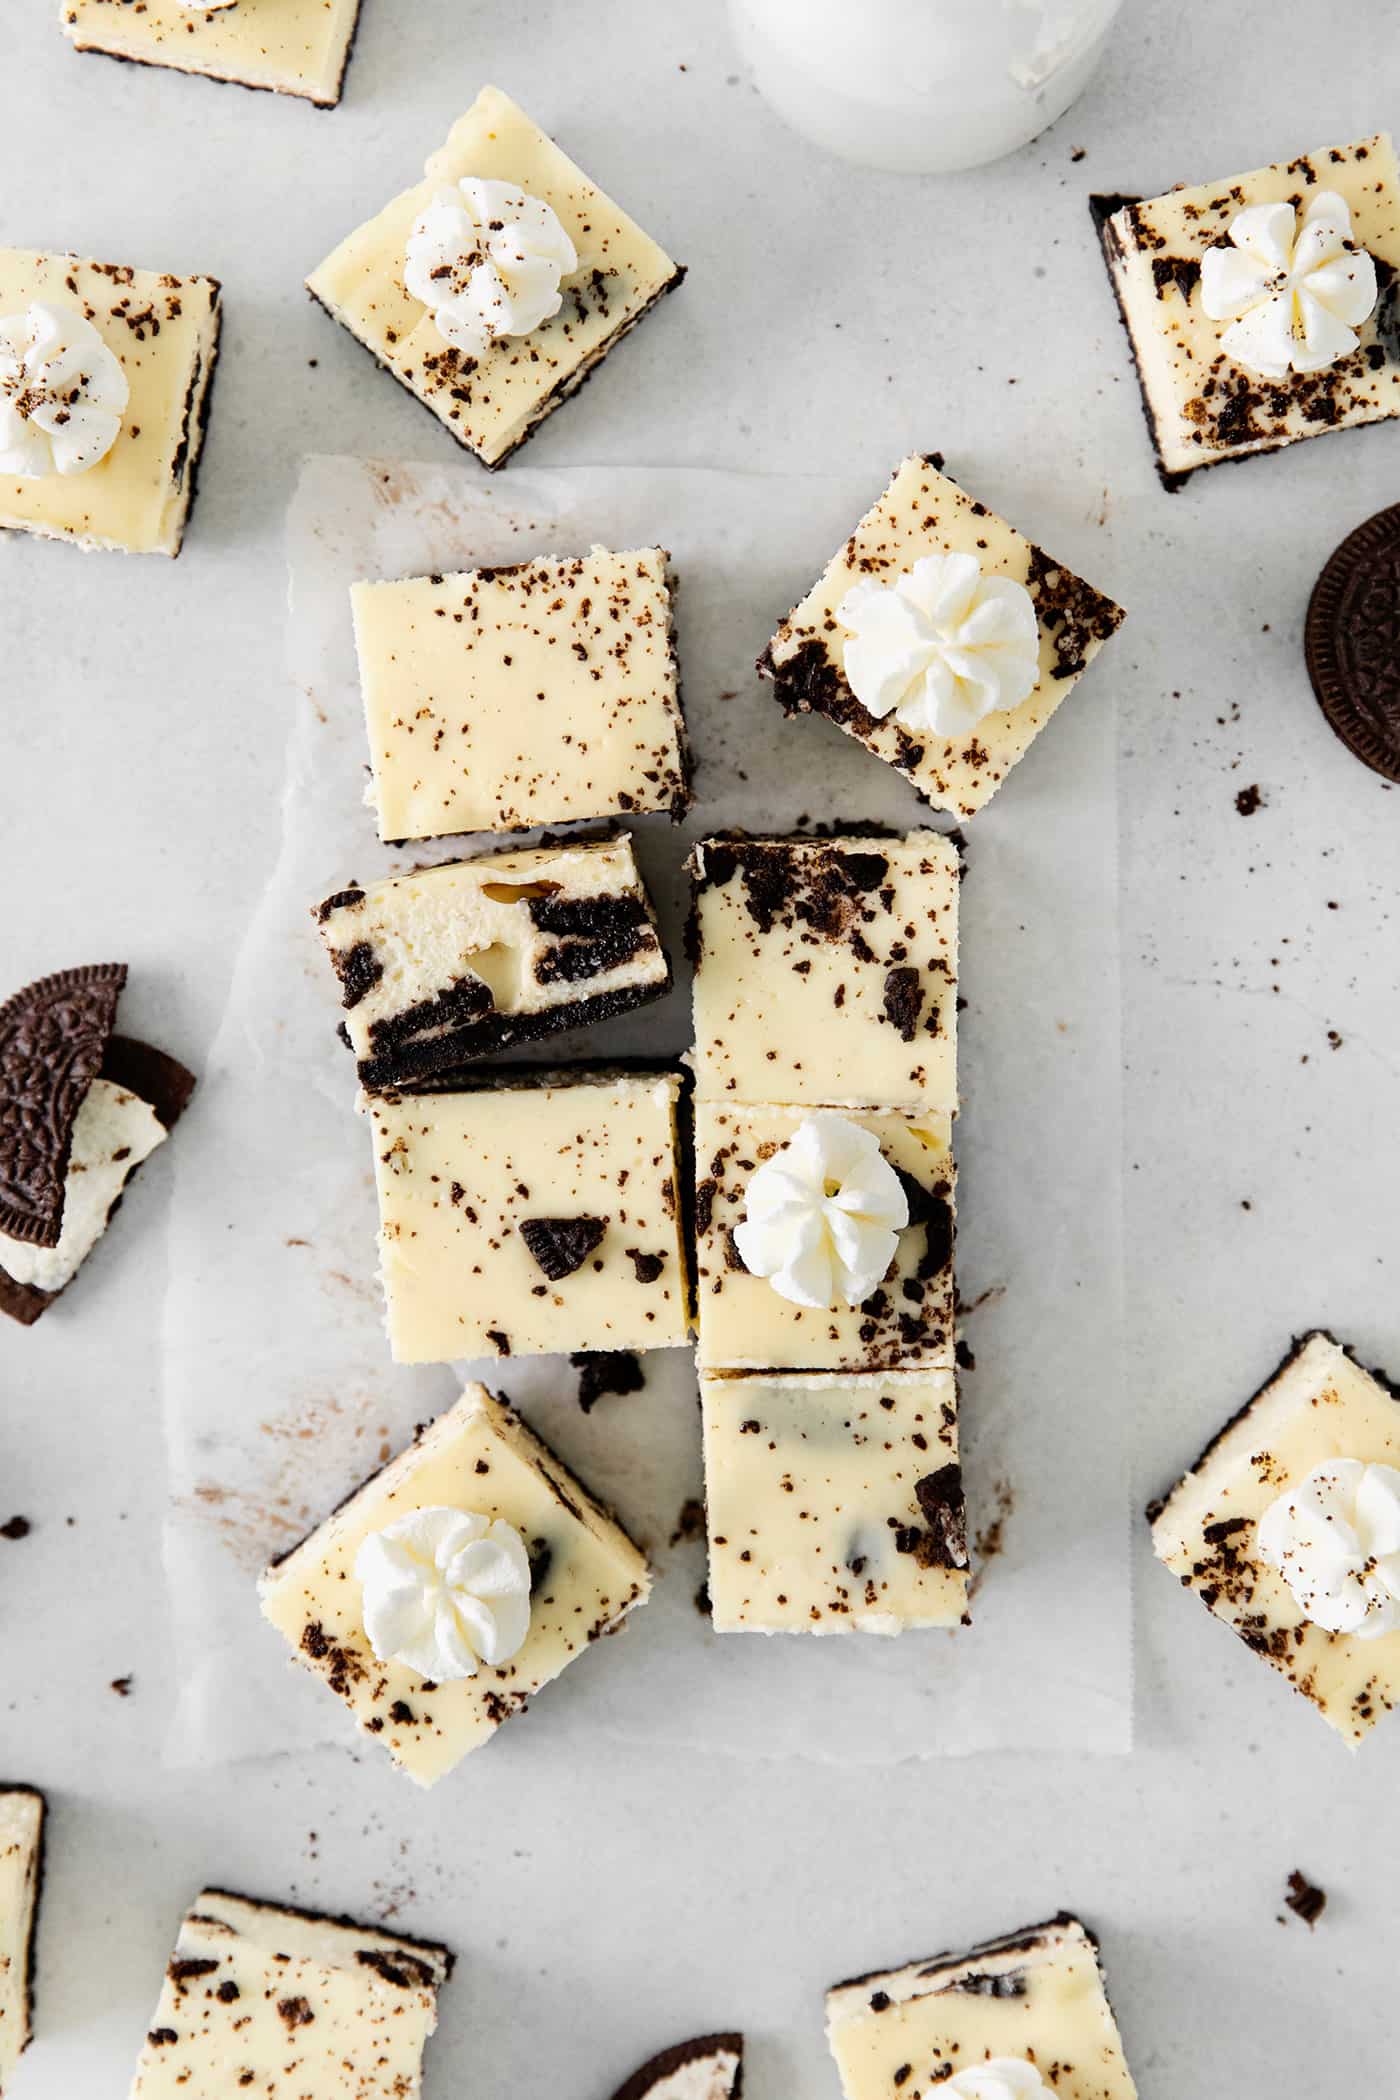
477 339
835 1504
285 2002
1288 1529
22 1817
500 699
1263 308
520 1215
902 1266
105 380
826 970
442 966
294 47
1030 2007
940 638
453 1585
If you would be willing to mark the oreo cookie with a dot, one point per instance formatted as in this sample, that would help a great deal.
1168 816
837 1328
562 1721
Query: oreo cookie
53 1036
712 2065
1351 642
138 1068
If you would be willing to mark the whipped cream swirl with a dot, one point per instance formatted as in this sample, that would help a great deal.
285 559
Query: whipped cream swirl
823 1216
1335 1539
1000 2078
445 1590
941 646
62 393
1294 292
487 260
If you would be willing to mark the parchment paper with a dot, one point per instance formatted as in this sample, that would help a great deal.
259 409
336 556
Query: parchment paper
279 1392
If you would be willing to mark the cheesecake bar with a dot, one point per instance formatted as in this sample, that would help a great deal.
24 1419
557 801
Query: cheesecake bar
531 1214
453 1585
1288 1528
22 1812
1262 308
105 379
295 47
783 1282
80 1109
442 966
940 638
288 2005
835 1504
826 970
500 699
709 2068
1008 2020
495 286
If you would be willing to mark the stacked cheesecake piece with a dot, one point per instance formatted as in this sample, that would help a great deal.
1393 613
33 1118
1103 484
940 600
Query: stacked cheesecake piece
825 1090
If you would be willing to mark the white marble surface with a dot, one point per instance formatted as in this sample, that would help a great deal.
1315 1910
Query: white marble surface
608 1906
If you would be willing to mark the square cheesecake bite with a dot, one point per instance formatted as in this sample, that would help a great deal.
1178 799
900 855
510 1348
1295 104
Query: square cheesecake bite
1014 2018
1261 308
1288 1528
940 638
296 47
826 970
531 1214
453 1585
497 284
499 699
105 377
441 966
285 2003
824 1241
835 1504
22 1812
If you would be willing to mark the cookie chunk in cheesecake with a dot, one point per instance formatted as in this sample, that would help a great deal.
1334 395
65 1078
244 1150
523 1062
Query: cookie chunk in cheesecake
105 380
526 1214
835 1503
22 1816
294 47
824 1239
501 699
1262 309
826 970
495 286
287 2004
444 965
1288 1529
1020 2018
453 1585
80 1109
939 637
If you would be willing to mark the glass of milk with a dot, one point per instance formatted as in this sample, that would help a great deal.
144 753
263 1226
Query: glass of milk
922 86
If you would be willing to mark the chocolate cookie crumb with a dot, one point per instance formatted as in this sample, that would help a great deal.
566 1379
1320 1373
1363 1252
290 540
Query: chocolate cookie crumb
604 1371
16 1528
1305 1899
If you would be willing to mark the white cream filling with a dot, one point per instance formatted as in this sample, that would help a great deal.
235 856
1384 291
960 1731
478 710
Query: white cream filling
112 1133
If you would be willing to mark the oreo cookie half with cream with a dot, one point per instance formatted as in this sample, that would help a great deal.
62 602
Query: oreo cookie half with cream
1352 642
709 2068
80 1109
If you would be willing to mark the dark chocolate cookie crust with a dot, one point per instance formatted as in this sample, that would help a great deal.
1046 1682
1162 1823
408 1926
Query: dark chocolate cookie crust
325 1917
1351 642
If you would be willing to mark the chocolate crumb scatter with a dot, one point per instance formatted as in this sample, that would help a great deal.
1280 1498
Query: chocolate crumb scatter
1305 1899
16 1528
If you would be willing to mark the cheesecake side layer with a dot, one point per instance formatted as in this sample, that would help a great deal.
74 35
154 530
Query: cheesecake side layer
23 1816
